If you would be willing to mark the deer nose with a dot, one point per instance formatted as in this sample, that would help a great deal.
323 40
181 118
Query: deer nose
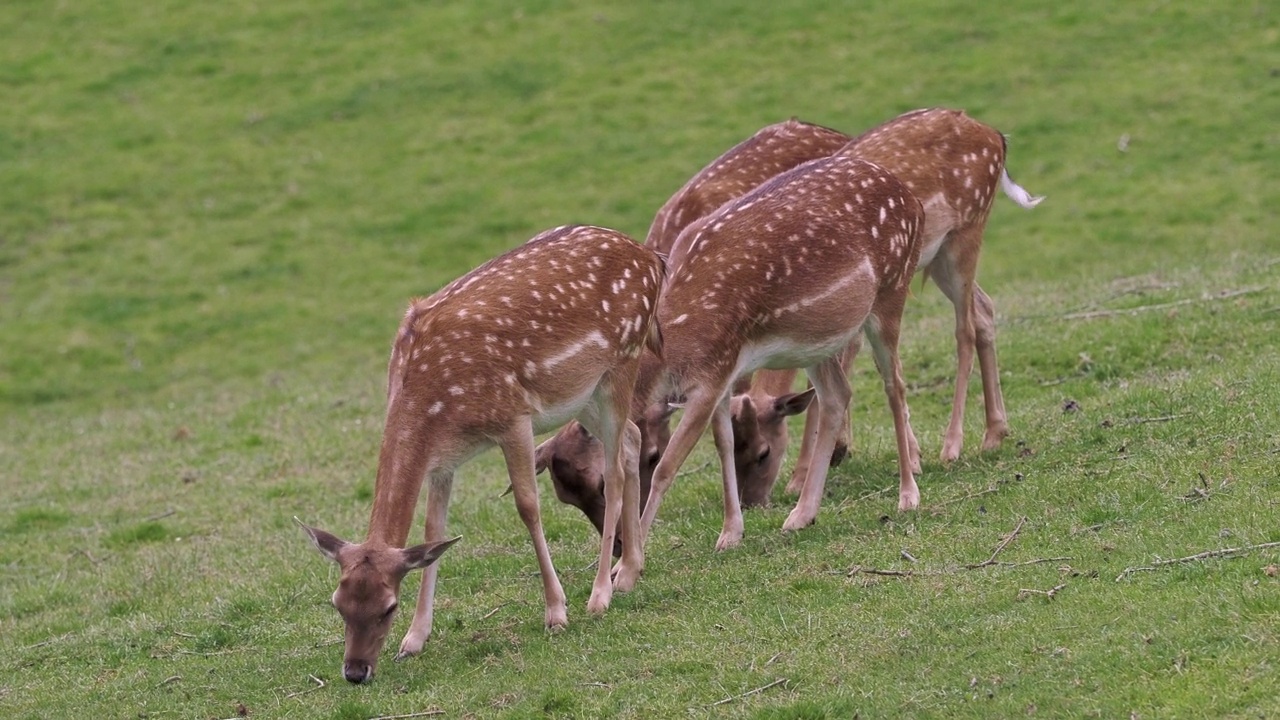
357 671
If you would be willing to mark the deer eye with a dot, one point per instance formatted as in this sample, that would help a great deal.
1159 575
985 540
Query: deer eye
390 611
764 454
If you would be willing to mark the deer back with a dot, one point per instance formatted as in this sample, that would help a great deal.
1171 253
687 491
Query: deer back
798 262
772 150
531 332
951 162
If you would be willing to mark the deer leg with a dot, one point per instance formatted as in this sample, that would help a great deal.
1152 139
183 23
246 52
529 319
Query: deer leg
957 284
438 490
722 431
517 448
992 399
805 457
833 399
697 413
627 571
884 346
844 439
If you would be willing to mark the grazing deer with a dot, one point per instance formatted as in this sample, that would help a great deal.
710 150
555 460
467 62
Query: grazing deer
575 461
931 151
783 277
953 164
547 332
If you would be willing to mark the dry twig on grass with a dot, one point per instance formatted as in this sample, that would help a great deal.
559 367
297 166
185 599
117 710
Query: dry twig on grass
1223 295
1025 593
424 713
989 562
319 684
1207 554
748 693
1013 534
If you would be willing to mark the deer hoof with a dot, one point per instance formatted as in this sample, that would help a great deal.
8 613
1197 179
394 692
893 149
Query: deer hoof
993 438
557 620
624 578
796 521
599 602
908 501
728 540
409 647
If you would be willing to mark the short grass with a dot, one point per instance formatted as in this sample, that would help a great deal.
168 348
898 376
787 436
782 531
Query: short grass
213 214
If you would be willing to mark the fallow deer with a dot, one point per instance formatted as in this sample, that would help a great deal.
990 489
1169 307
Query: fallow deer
953 164
549 331
784 277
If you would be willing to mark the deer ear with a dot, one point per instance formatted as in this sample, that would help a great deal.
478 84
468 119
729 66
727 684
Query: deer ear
541 457
420 556
793 403
327 543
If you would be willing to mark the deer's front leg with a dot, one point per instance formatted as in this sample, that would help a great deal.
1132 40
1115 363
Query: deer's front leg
438 490
697 413
517 448
722 431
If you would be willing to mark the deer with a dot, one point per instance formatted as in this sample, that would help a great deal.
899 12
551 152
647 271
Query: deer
924 147
786 276
547 332
953 164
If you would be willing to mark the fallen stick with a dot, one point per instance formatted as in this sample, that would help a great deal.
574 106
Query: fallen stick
1224 295
1207 554
424 713
749 693
1000 548
319 684
1162 418
1050 593
159 516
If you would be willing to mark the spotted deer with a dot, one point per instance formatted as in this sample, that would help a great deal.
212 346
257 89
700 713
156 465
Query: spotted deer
784 277
931 150
549 331
953 164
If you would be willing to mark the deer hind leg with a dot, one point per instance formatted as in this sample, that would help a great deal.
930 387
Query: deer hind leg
882 332
517 449
439 488
833 391
698 408
984 312
954 277
627 571
722 431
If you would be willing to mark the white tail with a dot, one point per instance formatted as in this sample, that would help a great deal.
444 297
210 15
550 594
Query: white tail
1016 193
544 333
785 277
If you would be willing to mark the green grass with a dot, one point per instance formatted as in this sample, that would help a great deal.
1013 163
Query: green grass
214 214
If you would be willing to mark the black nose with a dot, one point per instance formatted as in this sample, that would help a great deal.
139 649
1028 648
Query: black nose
357 671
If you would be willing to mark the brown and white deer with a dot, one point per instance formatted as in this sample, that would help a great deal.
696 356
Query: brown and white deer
954 165
549 331
950 160
784 277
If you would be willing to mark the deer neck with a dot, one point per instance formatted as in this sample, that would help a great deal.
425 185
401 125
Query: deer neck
402 465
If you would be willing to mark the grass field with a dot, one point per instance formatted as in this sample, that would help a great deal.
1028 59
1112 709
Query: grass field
212 216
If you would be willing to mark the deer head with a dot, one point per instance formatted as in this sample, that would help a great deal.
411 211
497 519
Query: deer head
760 440
368 592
